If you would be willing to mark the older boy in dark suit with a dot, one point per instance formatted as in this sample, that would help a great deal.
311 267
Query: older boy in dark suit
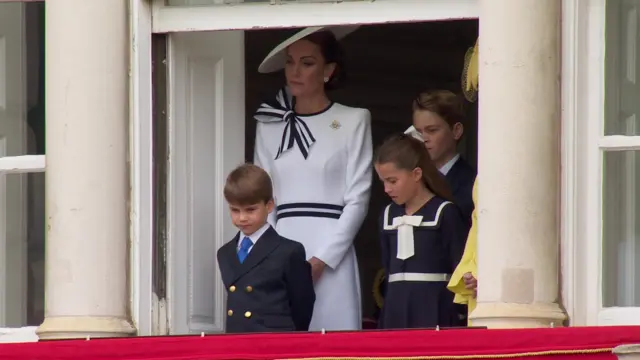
438 118
268 279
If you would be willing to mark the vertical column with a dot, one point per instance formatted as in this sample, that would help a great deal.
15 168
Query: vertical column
627 352
86 178
519 164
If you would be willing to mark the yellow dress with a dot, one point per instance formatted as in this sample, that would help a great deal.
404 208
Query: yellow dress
468 262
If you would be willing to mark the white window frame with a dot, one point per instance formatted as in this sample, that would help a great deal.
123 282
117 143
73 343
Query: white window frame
573 14
22 164
584 144
581 83
168 19
143 304
612 315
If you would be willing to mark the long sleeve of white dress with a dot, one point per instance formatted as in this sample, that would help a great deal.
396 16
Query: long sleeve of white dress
356 197
261 158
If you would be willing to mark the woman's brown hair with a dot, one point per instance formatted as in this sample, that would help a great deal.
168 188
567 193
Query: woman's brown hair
408 153
333 54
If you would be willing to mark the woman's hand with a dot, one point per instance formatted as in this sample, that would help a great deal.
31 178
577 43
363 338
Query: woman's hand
317 267
470 283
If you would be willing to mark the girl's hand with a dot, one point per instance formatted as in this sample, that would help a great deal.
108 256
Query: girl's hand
470 283
317 267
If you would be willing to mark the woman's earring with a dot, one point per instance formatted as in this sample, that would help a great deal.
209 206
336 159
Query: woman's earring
326 79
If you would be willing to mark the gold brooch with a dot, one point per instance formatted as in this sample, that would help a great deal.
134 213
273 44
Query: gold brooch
335 125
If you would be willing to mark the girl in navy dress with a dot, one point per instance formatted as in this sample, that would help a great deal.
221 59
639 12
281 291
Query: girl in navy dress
423 235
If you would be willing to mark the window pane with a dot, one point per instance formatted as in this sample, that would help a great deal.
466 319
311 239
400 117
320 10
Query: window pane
622 68
621 229
235 2
22 124
22 230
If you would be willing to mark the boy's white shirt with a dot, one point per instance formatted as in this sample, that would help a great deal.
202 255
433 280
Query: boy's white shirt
254 237
447 167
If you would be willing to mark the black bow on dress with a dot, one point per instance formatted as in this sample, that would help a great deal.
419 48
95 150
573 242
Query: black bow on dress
295 131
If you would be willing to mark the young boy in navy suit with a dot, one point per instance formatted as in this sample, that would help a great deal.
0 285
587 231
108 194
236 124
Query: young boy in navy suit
268 279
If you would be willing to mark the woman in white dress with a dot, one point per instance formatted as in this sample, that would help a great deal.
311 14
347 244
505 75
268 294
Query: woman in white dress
319 155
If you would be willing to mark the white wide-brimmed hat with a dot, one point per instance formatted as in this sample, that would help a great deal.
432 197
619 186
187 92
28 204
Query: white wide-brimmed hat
277 57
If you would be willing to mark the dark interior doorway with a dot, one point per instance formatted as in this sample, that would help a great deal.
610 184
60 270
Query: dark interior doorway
387 65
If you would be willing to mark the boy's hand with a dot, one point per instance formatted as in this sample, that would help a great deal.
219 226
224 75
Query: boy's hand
317 267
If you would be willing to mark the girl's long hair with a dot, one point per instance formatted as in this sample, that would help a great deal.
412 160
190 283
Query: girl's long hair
408 153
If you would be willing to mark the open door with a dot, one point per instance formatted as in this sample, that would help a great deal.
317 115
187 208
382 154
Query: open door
206 141
13 142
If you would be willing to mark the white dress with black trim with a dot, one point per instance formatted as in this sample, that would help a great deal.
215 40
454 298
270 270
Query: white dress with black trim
419 254
321 168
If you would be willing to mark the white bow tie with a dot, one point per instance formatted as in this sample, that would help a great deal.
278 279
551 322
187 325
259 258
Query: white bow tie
404 225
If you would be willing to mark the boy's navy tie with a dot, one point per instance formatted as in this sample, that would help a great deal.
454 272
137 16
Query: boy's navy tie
245 245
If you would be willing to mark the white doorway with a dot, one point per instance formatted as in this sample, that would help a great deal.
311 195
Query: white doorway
206 121
214 89
207 130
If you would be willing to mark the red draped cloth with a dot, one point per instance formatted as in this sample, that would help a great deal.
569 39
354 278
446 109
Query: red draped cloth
588 343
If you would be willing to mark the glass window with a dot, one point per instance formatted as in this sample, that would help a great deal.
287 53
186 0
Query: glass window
21 78
622 68
22 132
621 162
22 239
621 228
